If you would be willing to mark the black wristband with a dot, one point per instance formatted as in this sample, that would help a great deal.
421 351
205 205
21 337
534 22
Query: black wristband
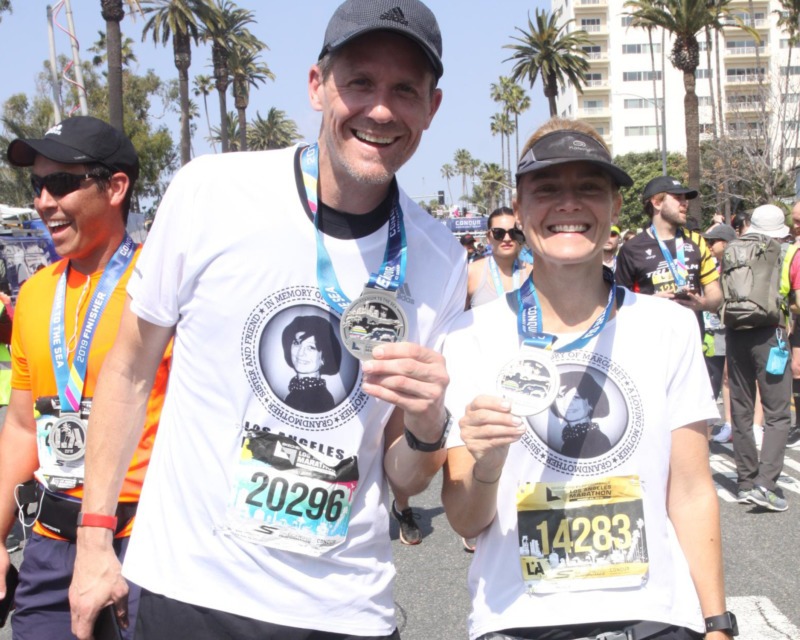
723 622
428 447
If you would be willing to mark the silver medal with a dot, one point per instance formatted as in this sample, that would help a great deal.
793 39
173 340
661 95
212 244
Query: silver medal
67 438
372 319
530 382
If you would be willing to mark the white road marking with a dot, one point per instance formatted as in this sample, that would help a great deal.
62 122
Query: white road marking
759 619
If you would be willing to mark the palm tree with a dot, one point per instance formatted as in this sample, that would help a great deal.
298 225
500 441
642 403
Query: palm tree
448 172
789 21
100 49
683 19
5 5
497 127
247 71
276 131
503 125
113 12
202 87
232 133
463 163
491 176
226 29
178 20
517 103
550 50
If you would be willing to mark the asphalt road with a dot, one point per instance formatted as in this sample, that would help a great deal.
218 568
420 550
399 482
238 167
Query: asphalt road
760 548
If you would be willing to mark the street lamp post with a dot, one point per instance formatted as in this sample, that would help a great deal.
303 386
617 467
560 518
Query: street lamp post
663 125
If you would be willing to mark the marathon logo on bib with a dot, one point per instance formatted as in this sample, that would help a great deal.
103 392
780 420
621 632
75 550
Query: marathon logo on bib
286 497
576 536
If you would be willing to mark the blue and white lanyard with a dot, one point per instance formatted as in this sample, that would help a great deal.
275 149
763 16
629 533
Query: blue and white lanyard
677 265
70 380
392 273
529 323
497 279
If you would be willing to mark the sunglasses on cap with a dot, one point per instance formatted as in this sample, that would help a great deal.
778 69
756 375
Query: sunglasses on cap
499 234
61 183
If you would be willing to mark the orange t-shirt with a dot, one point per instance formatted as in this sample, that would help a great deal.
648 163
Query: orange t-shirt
32 363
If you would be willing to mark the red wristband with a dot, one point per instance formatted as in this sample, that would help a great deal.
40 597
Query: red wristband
97 520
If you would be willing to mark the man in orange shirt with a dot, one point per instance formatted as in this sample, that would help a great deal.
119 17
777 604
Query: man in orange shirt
66 319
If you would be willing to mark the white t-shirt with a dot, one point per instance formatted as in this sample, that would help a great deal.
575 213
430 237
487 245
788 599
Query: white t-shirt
231 261
588 528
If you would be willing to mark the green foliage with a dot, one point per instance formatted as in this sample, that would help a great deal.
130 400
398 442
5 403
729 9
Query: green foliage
26 117
643 167
276 131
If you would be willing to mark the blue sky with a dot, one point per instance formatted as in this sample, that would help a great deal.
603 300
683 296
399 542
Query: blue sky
473 31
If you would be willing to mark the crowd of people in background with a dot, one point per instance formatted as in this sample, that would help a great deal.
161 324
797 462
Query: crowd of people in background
522 366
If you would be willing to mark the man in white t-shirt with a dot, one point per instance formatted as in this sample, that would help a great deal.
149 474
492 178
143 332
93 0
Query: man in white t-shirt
266 512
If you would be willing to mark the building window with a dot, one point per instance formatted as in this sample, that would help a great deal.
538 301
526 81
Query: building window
628 49
704 73
600 130
706 128
594 80
641 103
743 47
792 71
704 45
591 25
744 99
592 52
639 76
626 21
703 101
642 131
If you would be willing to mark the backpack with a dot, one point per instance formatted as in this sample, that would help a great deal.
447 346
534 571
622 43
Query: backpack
751 283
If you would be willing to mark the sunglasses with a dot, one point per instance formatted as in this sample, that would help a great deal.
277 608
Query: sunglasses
499 234
59 184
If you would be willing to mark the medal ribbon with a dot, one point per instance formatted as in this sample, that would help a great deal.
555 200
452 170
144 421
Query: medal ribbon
529 322
677 266
393 270
498 281
70 380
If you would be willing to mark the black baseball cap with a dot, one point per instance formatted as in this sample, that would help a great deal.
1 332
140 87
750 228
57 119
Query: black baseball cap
79 140
666 184
723 232
410 18
565 145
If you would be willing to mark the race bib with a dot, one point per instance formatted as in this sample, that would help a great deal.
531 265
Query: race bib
576 536
61 444
287 498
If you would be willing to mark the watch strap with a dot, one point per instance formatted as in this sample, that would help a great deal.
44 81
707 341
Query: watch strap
429 447
722 622
97 520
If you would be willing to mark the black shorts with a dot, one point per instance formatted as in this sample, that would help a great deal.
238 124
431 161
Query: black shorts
162 618
794 336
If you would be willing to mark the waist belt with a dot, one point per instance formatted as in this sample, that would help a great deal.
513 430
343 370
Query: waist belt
638 631
60 515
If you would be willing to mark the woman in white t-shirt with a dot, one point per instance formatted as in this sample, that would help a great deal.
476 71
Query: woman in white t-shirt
574 539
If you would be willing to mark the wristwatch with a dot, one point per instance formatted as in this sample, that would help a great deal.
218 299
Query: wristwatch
428 447
723 622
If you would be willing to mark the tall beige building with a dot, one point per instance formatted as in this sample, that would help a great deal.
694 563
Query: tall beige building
620 99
